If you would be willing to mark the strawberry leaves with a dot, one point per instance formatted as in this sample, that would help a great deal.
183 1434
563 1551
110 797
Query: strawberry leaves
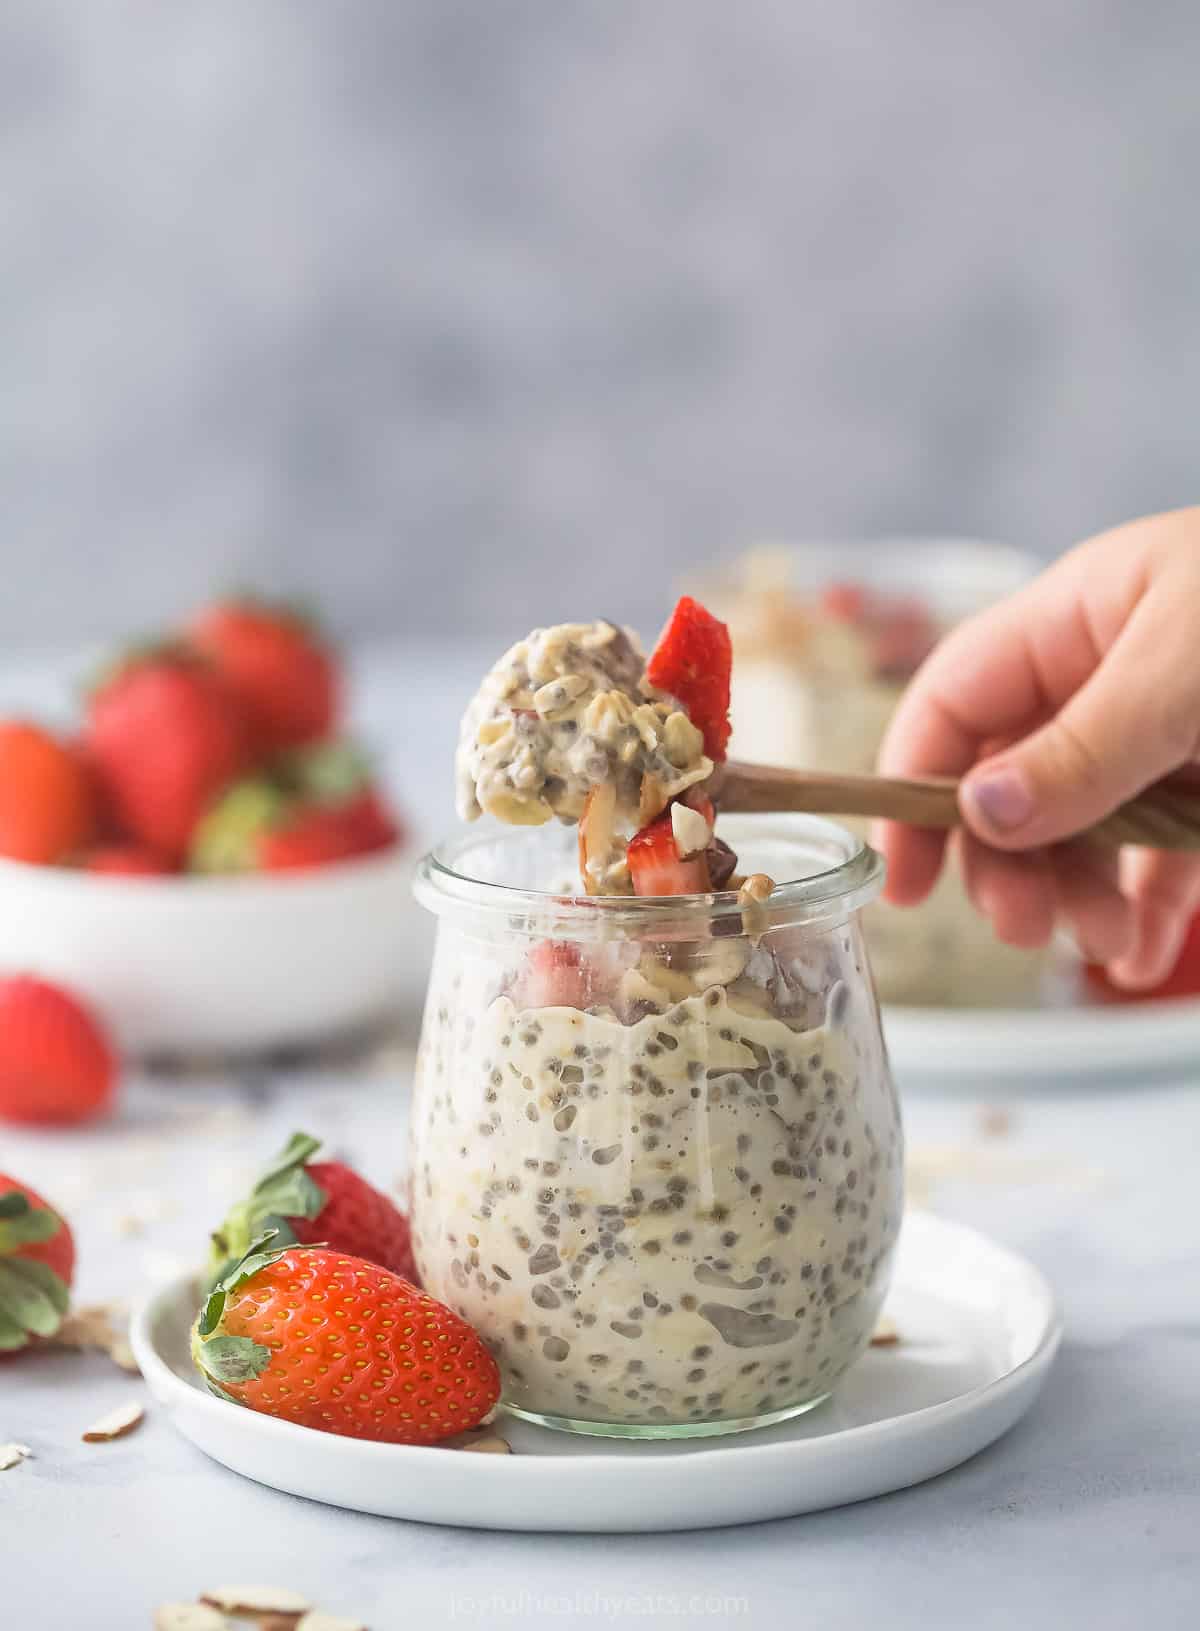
285 1190
230 1359
22 1224
245 1269
33 1300
234 1359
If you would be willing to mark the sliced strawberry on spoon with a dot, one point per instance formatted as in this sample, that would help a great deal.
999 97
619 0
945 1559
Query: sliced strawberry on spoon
693 661
657 867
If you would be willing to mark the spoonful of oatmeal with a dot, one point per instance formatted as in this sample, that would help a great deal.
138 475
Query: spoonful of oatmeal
573 722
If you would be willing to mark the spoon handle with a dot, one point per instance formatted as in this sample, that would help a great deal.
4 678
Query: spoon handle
1161 818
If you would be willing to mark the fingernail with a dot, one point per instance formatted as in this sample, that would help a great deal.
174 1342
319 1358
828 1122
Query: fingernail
1002 798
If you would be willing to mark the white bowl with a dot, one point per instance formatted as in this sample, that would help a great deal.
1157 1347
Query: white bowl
232 964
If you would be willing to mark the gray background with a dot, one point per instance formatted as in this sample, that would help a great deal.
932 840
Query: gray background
466 313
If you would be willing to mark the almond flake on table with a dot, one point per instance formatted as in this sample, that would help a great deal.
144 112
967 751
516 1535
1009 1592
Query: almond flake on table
189 1617
316 1621
256 1600
885 1334
12 1455
116 1424
100 1326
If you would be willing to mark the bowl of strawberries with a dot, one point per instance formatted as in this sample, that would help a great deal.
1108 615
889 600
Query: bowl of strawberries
209 862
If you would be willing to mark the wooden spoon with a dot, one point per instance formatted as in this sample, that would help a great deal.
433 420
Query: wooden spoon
1161 818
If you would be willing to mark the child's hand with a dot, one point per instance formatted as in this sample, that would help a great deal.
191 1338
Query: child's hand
1068 699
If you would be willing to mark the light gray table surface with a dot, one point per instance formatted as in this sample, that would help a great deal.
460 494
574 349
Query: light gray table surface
1087 1514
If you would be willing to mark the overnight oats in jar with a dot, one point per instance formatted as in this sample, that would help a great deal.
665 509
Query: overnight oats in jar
656 1148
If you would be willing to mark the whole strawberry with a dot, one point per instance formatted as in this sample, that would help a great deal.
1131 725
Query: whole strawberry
274 661
56 1064
311 808
47 806
327 1201
166 736
37 1262
122 859
329 1341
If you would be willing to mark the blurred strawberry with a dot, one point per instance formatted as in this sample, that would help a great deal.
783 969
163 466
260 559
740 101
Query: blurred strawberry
126 860
166 736
56 1064
47 806
693 661
1182 981
314 807
37 1264
275 662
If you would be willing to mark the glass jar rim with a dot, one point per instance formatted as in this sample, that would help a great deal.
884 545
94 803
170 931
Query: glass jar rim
853 879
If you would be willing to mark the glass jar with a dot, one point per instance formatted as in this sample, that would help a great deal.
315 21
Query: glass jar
656 1148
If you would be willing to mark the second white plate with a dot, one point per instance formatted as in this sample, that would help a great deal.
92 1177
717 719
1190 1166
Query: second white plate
970 1046
978 1333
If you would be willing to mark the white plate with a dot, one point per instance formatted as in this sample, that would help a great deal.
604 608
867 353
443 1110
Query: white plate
223 964
968 1046
979 1332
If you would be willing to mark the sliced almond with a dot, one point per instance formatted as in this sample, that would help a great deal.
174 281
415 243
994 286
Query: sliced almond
652 800
596 828
886 1334
316 1621
692 832
188 1617
484 1438
116 1424
490 1444
256 1600
12 1455
100 1326
995 1121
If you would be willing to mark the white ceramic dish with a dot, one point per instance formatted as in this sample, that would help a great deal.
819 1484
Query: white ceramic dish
979 1332
968 1047
228 964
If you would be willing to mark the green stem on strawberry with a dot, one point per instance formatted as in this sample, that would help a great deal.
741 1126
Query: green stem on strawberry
220 1358
285 1190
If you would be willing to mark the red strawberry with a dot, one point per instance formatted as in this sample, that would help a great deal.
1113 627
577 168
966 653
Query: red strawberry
845 601
314 807
323 1201
284 676
55 1062
655 865
1182 981
165 736
693 661
47 807
319 835
329 1341
555 976
37 1263
126 860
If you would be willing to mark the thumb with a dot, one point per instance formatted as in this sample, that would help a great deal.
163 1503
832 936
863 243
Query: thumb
1136 718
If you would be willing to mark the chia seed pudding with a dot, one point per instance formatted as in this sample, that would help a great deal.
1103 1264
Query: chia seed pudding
657 1161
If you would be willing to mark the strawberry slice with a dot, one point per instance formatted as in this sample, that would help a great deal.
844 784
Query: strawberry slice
693 661
555 976
655 865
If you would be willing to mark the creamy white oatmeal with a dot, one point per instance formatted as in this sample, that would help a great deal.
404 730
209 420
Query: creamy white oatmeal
664 1207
